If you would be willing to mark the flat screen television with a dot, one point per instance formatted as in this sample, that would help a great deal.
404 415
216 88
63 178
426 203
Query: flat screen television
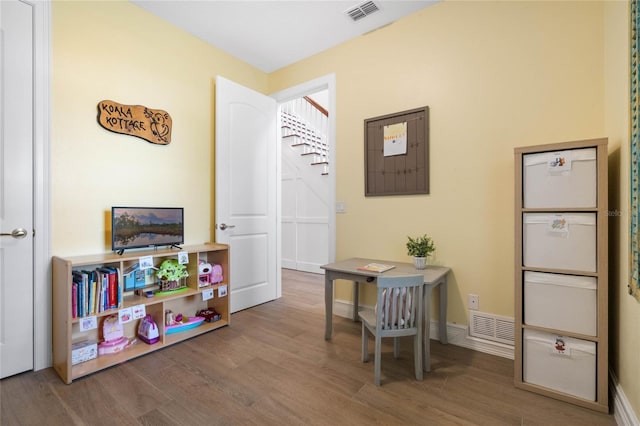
136 227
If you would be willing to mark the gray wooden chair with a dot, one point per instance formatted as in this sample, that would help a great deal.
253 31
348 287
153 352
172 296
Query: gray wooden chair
398 313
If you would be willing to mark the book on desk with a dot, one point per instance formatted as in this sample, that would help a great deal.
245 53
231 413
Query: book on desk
375 267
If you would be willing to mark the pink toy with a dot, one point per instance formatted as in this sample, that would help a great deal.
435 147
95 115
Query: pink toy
114 340
209 274
216 274
176 327
204 273
148 330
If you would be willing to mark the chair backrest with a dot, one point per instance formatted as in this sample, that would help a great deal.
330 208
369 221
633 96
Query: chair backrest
399 303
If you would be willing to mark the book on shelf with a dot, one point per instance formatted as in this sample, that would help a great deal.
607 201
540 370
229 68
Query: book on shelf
74 300
96 291
376 267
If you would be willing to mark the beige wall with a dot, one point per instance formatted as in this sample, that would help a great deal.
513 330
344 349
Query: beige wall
624 309
496 75
116 50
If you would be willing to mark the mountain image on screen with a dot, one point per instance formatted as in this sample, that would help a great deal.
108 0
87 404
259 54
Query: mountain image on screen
135 227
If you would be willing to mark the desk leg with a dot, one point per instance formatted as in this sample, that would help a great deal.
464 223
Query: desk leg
426 328
356 292
443 311
328 304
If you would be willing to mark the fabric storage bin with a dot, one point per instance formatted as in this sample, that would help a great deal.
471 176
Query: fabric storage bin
561 363
559 241
560 179
562 302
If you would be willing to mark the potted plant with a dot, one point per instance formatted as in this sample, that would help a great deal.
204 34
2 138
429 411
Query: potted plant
420 248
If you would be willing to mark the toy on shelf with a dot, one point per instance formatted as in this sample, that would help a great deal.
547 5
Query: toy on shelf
209 273
134 278
216 274
148 330
209 314
191 322
113 332
204 273
177 323
172 276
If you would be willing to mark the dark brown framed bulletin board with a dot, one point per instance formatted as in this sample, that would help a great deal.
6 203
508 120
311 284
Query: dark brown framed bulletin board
396 153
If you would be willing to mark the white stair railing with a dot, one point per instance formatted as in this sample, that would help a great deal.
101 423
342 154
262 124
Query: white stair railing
305 126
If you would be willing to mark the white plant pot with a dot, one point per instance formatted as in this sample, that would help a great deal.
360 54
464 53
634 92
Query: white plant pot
420 262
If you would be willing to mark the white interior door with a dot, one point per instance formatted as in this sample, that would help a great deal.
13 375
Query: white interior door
16 187
246 192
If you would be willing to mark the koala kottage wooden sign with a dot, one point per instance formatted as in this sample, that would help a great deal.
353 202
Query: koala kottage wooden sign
153 125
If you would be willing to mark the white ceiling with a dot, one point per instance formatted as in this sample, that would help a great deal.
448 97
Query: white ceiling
271 34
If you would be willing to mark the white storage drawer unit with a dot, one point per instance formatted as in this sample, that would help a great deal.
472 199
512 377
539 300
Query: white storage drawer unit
566 178
561 302
571 371
559 241
561 271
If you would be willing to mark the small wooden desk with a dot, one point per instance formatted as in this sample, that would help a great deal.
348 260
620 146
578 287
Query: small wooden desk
348 270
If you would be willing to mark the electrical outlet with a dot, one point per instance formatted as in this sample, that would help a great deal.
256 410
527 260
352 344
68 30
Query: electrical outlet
474 302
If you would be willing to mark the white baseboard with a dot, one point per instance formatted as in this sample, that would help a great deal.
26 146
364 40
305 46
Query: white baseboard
458 335
344 308
622 409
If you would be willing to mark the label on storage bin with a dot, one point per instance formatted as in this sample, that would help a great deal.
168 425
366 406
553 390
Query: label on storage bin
558 223
559 162
561 347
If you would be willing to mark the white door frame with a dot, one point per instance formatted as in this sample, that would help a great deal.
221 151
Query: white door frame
42 291
327 82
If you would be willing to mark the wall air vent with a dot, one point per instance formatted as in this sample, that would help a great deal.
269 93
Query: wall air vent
491 327
362 10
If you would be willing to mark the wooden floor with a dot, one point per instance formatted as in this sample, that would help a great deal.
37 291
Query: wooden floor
273 366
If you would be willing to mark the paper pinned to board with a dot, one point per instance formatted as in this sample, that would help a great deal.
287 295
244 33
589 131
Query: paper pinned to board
395 139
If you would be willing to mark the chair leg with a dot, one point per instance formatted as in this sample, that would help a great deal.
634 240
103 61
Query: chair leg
378 359
396 347
365 344
417 355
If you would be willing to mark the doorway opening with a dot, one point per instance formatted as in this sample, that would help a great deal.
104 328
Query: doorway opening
307 177
304 182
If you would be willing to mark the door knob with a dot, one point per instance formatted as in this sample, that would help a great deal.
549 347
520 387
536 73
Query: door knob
224 226
16 233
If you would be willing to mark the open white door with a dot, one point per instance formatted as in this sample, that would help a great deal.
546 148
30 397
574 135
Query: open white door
16 187
246 192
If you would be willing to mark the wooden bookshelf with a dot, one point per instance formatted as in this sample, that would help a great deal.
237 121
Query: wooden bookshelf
66 329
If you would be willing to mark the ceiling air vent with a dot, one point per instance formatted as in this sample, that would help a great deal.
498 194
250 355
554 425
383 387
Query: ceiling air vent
361 10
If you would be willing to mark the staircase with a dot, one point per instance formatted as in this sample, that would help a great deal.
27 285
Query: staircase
304 128
305 186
